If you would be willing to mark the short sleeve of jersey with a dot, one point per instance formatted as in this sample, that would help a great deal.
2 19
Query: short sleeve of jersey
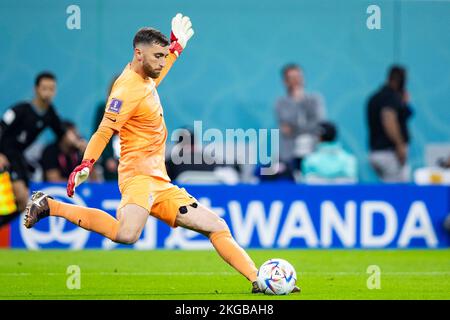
121 105
391 102
14 113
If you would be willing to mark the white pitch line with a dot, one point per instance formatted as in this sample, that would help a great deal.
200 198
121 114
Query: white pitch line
125 273
389 273
167 273
301 274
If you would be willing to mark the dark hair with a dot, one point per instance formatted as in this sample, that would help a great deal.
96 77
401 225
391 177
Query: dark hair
149 36
327 131
67 124
289 67
397 74
44 75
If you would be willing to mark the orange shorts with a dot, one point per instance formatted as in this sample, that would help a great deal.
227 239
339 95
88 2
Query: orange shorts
162 199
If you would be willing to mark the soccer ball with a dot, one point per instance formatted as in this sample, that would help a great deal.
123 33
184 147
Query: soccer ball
276 277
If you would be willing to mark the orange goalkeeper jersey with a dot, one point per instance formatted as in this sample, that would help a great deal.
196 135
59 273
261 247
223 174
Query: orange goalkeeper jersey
135 112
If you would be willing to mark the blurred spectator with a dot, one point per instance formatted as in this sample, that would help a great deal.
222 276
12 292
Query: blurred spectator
278 172
387 114
61 157
444 163
20 127
298 114
434 174
108 161
447 223
186 151
329 163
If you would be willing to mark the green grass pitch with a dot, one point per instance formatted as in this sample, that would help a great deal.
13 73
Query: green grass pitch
161 274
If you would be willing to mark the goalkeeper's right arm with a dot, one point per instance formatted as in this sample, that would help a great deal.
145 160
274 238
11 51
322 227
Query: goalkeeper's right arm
94 149
97 143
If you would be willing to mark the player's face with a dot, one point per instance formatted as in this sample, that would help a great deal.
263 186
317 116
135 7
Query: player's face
46 90
294 78
154 59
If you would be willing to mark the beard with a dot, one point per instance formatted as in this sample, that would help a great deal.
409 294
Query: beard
149 71
46 100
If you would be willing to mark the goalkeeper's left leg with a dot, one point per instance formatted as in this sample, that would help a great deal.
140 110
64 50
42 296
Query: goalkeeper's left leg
208 223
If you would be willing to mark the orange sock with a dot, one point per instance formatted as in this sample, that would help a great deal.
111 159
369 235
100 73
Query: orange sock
232 253
87 218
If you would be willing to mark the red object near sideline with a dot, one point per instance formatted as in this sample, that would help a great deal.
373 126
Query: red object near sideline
5 236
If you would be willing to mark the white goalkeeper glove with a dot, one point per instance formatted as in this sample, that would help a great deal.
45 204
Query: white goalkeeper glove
181 33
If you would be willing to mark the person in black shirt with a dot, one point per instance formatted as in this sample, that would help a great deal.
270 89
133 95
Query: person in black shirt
388 112
19 128
61 157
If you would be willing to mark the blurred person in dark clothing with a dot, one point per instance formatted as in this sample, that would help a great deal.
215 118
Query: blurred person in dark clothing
20 126
444 163
388 112
447 223
61 157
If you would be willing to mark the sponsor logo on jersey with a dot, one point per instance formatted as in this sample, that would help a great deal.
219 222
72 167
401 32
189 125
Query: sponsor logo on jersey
111 119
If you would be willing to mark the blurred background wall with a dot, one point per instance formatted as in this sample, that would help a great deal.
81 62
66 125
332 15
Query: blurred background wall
229 76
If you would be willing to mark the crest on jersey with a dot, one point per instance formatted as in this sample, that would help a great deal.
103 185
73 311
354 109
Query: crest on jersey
115 105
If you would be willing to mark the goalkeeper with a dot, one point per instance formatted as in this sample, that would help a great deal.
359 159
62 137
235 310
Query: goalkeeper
134 112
